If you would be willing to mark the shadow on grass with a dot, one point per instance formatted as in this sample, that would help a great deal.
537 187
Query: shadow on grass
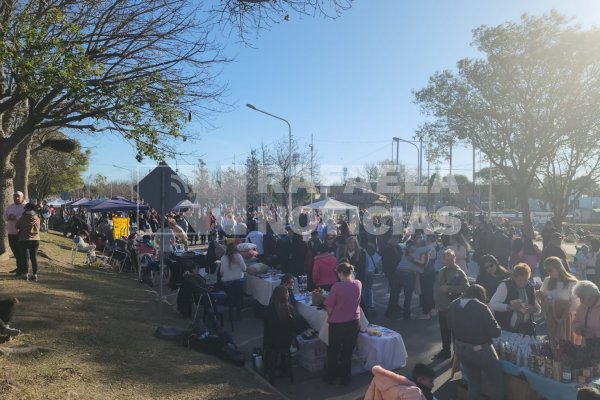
101 325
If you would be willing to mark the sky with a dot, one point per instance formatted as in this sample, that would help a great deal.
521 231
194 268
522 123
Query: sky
347 82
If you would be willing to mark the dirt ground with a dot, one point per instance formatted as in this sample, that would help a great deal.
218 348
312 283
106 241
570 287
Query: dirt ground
98 326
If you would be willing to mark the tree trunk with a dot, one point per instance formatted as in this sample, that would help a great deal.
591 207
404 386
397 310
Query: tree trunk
21 164
523 197
6 189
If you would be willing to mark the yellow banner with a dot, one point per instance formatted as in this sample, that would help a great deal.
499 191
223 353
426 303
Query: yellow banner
121 227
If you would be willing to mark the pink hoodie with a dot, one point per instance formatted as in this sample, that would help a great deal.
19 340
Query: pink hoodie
324 269
387 385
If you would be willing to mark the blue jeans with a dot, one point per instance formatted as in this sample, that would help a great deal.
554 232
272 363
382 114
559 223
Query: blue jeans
367 292
403 280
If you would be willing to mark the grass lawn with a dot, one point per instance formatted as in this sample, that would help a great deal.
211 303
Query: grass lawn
99 327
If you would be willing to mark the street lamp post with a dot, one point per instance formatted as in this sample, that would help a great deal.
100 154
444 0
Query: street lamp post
289 207
397 140
137 214
131 185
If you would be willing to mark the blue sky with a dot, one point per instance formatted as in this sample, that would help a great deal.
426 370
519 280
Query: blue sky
346 81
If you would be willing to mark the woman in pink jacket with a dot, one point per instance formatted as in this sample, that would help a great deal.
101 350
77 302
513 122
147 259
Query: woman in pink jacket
387 385
324 273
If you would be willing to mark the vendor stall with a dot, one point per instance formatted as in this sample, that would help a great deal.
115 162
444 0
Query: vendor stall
551 372
261 286
376 345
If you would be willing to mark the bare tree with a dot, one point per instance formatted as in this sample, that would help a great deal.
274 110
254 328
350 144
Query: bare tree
134 67
250 16
370 172
138 68
281 165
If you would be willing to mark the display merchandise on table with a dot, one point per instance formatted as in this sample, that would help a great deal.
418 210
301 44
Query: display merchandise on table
382 346
261 286
553 371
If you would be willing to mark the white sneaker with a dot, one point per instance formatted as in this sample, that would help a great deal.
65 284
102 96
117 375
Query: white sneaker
10 331
424 316
293 349
434 313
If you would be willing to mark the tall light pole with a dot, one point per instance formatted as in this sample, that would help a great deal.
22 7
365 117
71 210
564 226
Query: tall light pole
289 207
131 185
397 139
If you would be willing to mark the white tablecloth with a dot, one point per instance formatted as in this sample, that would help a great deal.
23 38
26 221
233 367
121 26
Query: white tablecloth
262 288
388 350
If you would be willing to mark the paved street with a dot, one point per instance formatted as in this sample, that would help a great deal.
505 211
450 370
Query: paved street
421 337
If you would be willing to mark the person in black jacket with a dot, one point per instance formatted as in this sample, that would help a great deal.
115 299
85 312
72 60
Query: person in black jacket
514 303
7 309
473 327
278 329
553 249
501 246
491 273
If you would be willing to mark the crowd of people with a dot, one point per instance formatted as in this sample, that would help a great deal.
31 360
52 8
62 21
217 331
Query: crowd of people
23 225
473 305
477 282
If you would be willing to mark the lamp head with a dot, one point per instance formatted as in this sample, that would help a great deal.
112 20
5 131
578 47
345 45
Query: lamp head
251 106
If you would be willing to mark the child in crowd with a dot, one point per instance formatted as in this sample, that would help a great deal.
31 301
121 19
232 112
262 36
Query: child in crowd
7 307
423 376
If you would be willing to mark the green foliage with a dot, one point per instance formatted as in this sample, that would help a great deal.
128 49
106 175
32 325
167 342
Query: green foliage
54 172
533 96
136 67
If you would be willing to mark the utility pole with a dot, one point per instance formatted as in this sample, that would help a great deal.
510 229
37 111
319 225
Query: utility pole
490 206
450 176
474 188
262 189
311 168
397 164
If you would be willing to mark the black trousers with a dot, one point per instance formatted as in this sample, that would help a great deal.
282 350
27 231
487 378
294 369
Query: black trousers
7 308
13 243
426 299
445 331
342 341
29 250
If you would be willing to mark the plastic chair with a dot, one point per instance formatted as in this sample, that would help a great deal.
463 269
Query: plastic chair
77 248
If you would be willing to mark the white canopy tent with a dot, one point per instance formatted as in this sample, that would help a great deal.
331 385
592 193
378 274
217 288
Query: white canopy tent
57 202
185 204
330 209
331 204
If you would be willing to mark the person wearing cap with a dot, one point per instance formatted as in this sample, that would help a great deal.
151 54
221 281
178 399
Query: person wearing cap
28 226
11 214
553 249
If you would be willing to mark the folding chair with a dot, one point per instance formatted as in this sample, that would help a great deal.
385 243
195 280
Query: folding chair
120 255
211 309
76 249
